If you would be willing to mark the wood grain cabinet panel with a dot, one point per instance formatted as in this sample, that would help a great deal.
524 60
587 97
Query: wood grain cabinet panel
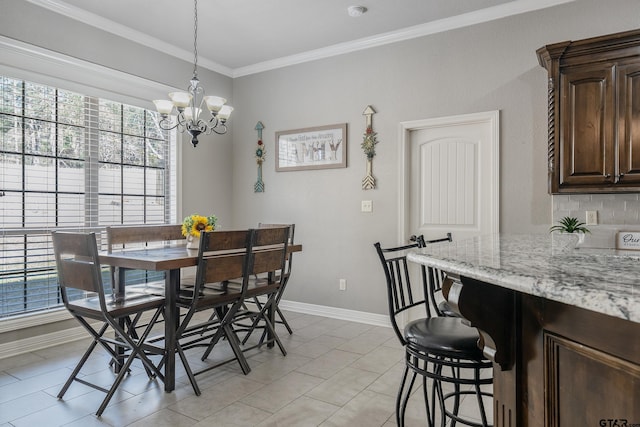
587 139
628 77
594 113
577 374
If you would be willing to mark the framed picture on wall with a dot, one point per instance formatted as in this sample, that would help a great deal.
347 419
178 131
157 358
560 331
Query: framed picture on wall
321 147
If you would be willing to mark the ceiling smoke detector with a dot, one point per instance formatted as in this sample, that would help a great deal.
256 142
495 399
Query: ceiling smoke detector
356 11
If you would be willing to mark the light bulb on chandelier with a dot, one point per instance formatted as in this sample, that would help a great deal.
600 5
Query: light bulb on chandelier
189 104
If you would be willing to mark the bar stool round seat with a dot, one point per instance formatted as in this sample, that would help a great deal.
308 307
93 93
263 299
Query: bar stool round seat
445 336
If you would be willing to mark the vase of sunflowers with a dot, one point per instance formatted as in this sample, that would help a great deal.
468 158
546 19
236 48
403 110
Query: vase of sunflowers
193 225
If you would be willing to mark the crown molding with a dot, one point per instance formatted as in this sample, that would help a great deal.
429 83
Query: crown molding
429 28
78 74
112 27
472 18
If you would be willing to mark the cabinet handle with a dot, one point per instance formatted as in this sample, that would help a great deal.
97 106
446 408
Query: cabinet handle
608 175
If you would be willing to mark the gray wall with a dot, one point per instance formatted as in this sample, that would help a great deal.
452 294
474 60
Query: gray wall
490 66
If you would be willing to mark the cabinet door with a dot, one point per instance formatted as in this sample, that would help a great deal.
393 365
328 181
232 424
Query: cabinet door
628 123
586 115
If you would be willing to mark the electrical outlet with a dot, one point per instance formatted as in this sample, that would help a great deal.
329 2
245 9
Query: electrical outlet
343 284
367 206
592 217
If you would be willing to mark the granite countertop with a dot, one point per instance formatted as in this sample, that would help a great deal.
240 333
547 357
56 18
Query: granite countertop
547 265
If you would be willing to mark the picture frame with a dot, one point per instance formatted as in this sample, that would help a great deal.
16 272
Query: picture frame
320 147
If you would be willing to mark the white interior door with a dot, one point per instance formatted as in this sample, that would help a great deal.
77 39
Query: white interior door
450 176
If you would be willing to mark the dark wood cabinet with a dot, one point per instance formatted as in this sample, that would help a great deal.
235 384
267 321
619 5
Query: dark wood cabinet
594 113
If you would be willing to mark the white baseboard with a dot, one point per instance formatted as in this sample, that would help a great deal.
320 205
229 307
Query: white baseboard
15 348
337 313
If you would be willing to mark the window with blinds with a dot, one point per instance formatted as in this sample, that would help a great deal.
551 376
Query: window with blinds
76 162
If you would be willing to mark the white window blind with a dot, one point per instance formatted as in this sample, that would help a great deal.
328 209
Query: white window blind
71 161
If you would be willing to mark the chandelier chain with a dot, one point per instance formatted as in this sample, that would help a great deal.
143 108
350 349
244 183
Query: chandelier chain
195 38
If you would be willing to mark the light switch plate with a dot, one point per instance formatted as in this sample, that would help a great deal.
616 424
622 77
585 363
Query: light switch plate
367 206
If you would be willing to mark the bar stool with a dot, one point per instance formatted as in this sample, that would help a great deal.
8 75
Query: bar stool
439 348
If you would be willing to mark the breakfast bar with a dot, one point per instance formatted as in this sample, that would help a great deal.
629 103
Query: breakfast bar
561 323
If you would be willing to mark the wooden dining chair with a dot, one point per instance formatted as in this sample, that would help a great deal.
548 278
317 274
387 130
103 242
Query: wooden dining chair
224 256
84 296
142 236
254 316
267 283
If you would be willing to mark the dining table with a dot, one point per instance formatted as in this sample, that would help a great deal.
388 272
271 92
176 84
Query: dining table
170 258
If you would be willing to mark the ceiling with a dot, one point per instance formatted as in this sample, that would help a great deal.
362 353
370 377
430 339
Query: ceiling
240 37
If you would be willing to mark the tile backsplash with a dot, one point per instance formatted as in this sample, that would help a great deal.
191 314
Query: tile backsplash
613 209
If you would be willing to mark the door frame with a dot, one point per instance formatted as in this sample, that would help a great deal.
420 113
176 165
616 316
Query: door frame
404 180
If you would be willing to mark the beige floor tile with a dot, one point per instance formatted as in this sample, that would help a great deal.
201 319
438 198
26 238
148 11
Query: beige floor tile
364 410
235 415
380 359
350 330
216 398
303 412
329 363
389 382
278 367
17 408
281 392
318 346
343 386
165 418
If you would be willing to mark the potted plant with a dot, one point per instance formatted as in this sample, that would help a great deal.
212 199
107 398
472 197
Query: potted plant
570 225
571 232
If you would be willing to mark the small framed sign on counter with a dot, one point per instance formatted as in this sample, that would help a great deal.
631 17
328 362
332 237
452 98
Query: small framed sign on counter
628 240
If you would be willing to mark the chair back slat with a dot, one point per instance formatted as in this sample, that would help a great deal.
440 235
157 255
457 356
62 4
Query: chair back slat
222 255
292 229
220 268
78 274
143 233
215 241
270 249
77 262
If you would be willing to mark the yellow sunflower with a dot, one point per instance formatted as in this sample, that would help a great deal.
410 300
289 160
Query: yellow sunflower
193 225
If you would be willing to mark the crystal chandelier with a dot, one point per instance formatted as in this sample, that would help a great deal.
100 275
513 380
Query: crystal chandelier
189 104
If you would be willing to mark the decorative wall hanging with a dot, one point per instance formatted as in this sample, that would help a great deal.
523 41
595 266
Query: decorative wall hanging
369 146
260 154
321 147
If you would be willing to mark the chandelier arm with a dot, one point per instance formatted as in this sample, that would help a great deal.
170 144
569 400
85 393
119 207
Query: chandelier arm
165 124
222 127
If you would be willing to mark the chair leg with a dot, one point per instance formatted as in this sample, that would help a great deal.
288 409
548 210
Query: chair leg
283 320
399 413
438 385
275 336
187 368
405 398
83 360
235 346
483 413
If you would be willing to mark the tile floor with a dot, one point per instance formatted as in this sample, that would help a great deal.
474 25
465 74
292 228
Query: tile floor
336 373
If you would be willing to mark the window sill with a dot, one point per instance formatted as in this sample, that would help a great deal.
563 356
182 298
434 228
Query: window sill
36 319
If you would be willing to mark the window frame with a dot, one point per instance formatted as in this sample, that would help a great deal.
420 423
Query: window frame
30 63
